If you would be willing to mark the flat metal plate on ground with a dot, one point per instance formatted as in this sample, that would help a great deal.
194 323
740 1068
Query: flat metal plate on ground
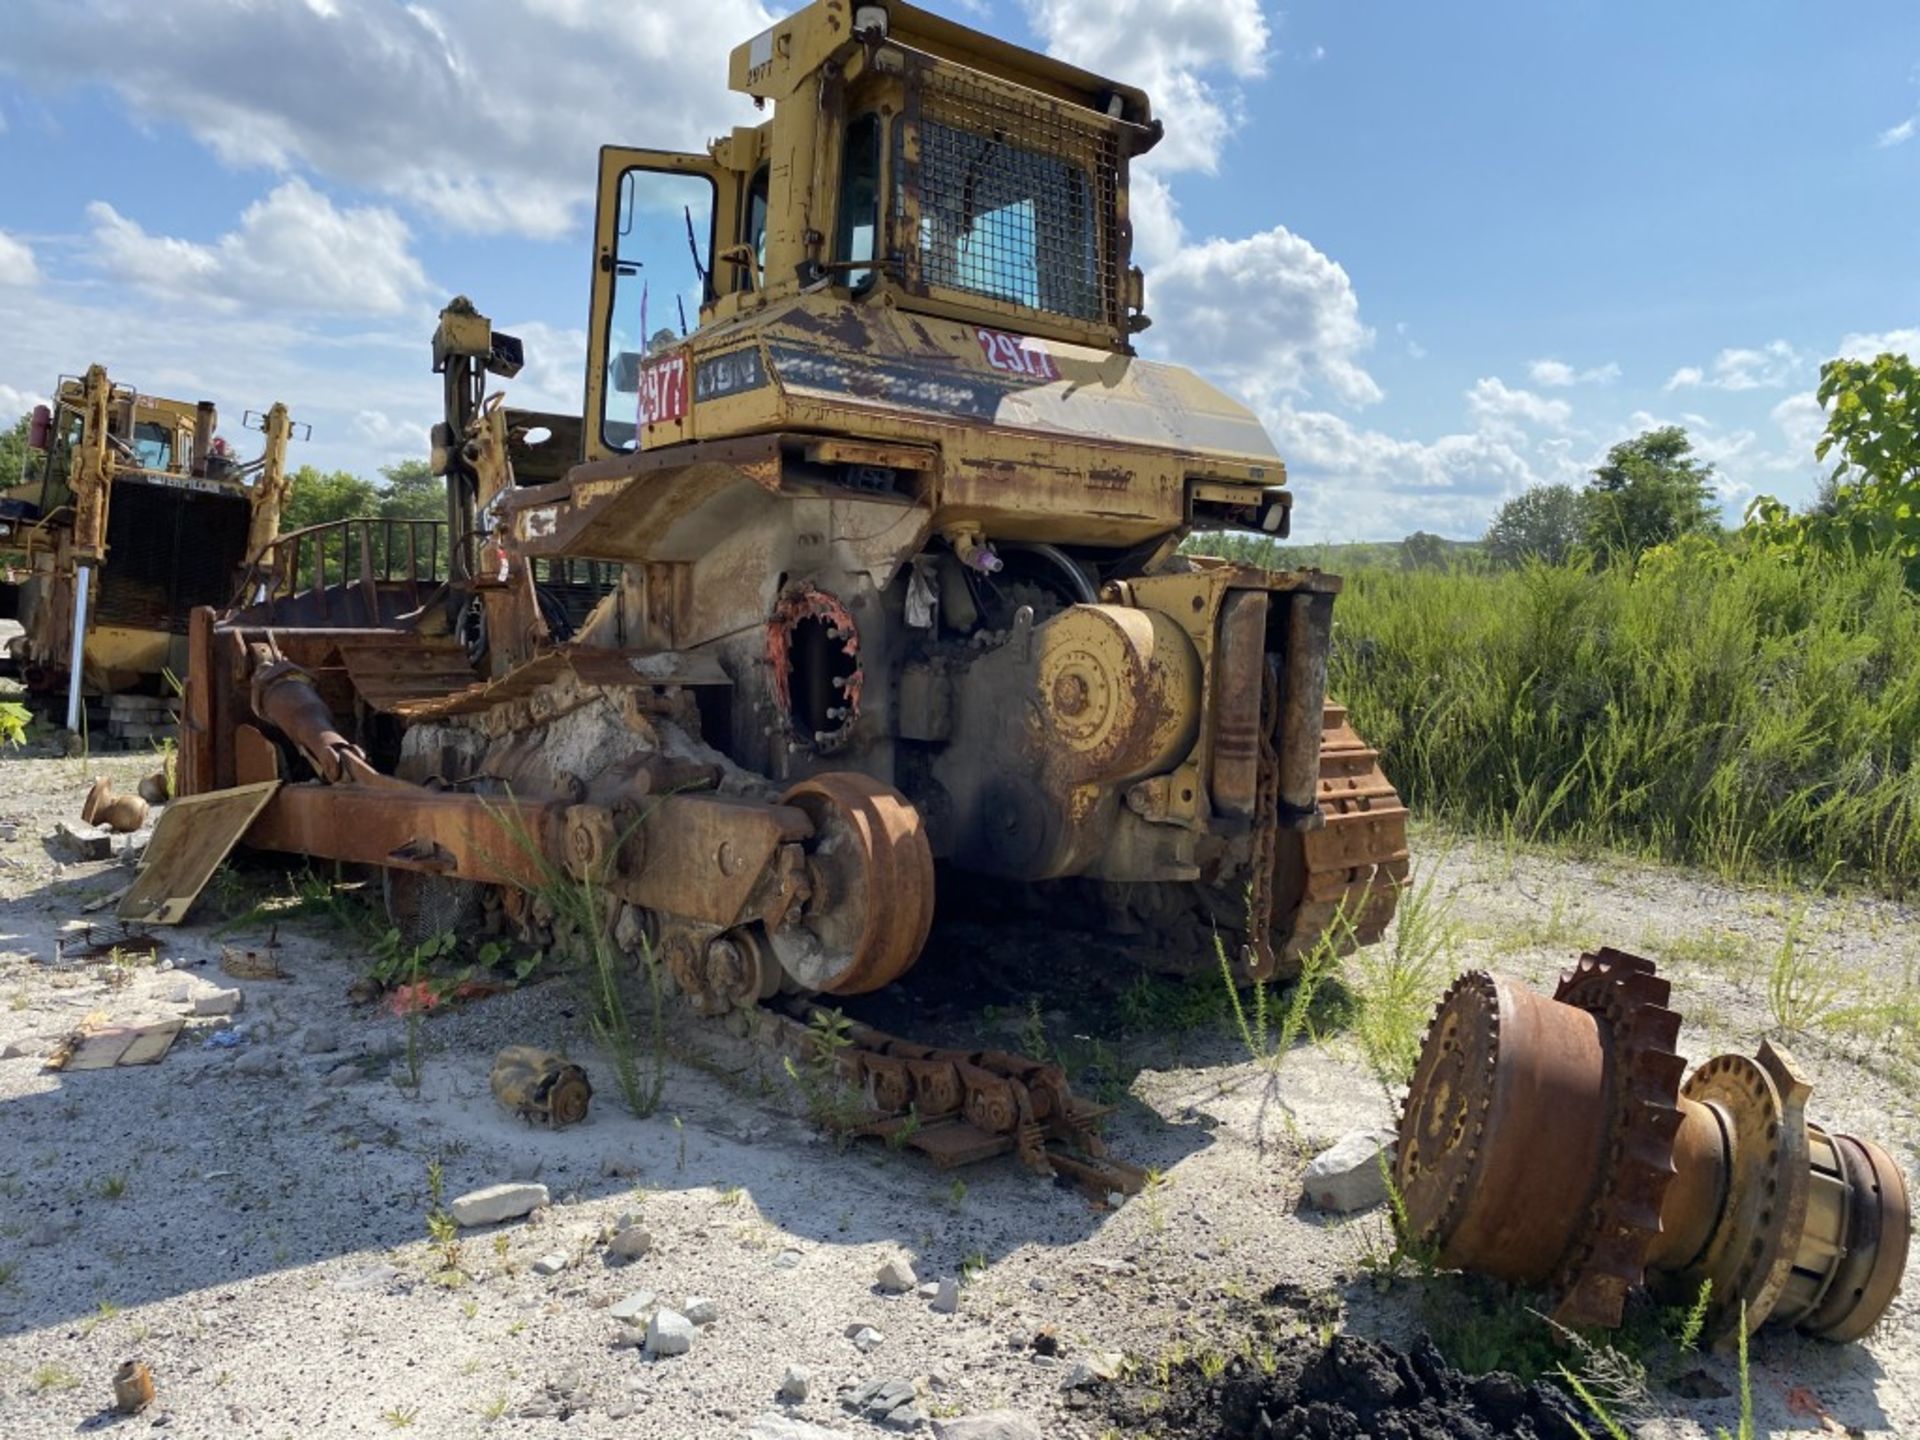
195 834
121 1045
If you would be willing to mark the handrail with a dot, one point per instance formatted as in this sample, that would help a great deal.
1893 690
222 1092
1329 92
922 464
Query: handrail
363 555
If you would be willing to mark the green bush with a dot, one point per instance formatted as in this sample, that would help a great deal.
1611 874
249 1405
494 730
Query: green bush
1737 710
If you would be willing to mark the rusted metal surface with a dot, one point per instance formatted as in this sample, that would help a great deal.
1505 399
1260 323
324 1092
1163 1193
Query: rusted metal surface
813 648
1342 881
706 857
870 879
958 1106
540 1087
462 836
1552 1143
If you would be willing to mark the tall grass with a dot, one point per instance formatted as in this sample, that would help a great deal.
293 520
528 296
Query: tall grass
1731 710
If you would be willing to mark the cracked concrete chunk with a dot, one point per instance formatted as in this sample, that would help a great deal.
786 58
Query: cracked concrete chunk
494 1203
1348 1176
669 1333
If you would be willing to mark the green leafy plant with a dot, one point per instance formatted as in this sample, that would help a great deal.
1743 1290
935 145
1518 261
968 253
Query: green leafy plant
1871 502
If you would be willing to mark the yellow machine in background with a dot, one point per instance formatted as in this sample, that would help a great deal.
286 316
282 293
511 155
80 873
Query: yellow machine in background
131 513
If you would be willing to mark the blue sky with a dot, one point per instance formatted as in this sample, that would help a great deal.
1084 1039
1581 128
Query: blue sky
1446 251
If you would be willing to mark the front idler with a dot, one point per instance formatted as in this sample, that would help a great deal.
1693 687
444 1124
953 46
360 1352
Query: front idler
1553 1143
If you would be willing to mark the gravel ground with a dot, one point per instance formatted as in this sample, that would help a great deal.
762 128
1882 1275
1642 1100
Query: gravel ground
252 1221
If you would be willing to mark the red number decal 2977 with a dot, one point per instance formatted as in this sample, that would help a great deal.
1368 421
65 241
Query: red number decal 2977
1016 356
663 389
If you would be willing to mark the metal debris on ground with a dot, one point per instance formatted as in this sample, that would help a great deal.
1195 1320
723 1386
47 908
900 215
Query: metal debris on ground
132 1387
102 942
110 810
104 1047
1551 1142
539 1086
247 963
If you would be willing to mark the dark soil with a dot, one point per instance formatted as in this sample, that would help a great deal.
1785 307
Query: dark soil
1352 1389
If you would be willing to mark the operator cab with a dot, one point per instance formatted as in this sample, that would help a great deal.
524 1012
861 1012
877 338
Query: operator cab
909 163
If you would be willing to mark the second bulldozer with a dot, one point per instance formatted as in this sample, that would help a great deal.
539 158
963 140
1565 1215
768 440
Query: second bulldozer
865 558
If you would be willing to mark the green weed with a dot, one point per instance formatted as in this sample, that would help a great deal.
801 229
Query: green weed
1802 993
1726 709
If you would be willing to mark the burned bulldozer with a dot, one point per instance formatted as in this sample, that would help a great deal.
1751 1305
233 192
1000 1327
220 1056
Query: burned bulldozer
863 560
132 512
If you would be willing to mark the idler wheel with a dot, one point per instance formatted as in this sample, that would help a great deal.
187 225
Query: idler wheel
870 876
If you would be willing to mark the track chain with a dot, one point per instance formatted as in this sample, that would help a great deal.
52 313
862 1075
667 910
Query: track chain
955 1106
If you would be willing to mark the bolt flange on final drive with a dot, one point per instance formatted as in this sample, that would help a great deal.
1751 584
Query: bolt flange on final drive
1551 1142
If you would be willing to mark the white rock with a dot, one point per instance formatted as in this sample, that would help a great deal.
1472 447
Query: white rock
796 1383
927 1289
669 1333
549 1264
896 1277
1089 1369
219 1002
631 1242
700 1310
866 1339
495 1203
1348 1176
632 1310
946 1298
775 1426
994 1425
787 1259
374 1277
257 1061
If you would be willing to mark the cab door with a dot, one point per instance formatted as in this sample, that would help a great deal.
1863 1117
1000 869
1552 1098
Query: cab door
655 228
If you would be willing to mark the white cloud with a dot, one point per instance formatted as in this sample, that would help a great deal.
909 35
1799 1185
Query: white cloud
13 404
1500 408
1898 134
1801 421
17 265
1769 367
292 250
556 365
1886 342
1355 483
513 97
1168 48
1157 231
396 438
1559 373
1265 315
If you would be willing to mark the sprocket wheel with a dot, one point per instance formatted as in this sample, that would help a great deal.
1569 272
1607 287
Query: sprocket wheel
1641 1033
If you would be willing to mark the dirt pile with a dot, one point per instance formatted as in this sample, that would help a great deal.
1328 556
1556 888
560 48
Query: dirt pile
1352 1389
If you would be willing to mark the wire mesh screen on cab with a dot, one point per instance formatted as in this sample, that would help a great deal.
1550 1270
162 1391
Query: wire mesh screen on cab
1016 200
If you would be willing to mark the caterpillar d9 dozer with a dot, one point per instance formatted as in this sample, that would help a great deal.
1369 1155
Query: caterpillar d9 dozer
864 561
130 514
